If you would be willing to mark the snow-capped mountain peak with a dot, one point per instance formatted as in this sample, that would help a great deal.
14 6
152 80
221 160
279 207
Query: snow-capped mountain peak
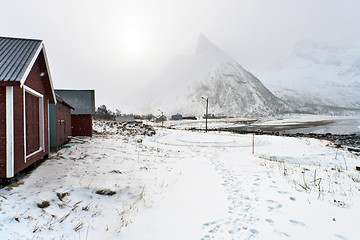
209 72
206 49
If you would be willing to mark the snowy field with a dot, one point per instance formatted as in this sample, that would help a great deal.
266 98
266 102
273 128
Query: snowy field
126 183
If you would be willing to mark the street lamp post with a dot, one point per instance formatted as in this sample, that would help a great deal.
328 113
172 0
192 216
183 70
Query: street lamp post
206 116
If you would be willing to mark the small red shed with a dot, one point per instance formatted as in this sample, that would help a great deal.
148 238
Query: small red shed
60 123
84 103
26 91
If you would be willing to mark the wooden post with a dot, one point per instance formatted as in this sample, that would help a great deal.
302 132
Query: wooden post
162 119
253 143
206 113
207 107
284 131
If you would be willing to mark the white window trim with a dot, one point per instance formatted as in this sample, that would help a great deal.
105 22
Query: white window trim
33 153
48 109
49 73
41 121
9 132
24 120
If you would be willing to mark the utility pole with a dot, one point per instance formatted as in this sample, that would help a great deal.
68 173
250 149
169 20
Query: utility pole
206 116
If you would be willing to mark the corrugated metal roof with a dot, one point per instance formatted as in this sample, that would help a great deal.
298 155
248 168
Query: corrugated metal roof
16 56
82 100
61 100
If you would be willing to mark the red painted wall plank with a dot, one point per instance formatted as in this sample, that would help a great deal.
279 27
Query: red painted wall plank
63 119
81 125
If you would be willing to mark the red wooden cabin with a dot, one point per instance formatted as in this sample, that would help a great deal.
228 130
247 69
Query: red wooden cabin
60 123
26 91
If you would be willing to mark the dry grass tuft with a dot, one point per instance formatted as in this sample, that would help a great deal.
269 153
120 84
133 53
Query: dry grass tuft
62 195
107 192
14 184
339 203
86 208
43 204
78 226
36 228
355 179
64 217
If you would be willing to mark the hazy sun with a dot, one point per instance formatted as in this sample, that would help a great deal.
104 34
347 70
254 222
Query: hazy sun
133 41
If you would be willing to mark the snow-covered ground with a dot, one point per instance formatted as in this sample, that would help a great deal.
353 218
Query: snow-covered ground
212 123
296 122
180 184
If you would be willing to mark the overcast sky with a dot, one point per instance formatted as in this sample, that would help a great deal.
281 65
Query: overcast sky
117 46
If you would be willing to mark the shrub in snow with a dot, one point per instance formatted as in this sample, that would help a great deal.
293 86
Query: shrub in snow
43 204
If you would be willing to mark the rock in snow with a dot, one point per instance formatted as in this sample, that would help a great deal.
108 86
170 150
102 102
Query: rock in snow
209 72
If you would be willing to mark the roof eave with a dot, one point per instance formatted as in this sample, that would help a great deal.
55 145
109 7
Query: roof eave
9 83
49 74
32 62
61 100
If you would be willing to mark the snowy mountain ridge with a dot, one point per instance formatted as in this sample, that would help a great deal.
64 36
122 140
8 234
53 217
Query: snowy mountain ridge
209 72
317 74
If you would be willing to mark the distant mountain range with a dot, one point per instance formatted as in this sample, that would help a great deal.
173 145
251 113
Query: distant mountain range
317 77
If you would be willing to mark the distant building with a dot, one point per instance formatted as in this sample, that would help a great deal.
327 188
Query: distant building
190 118
125 118
26 90
84 103
212 116
176 117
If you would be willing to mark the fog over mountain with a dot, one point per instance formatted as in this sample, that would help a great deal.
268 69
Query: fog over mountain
209 72
317 74
317 79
